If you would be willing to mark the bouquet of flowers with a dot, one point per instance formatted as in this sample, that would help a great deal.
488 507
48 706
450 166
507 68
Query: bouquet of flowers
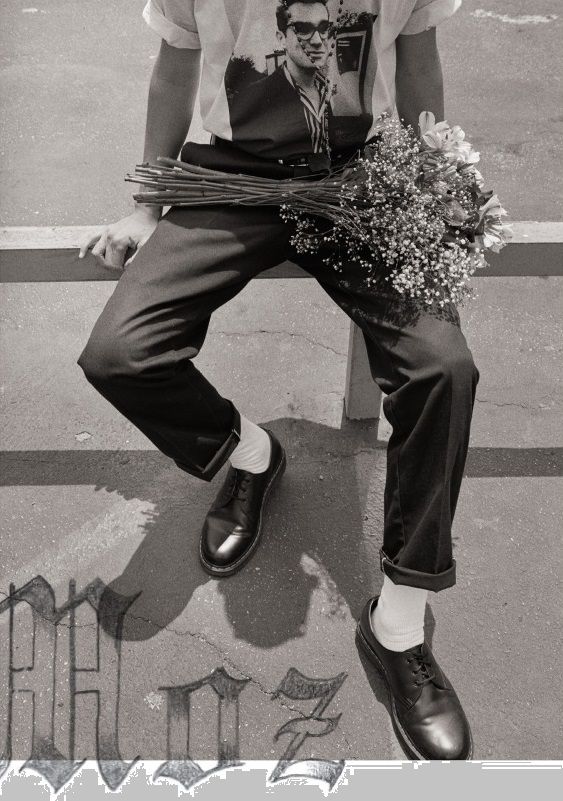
409 209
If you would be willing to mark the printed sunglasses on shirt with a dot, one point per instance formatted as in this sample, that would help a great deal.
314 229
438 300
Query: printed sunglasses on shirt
306 30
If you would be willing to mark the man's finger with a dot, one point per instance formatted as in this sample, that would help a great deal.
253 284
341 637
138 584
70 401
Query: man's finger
87 244
115 254
100 247
134 248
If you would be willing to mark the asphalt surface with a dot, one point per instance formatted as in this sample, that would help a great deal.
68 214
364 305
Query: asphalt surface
87 496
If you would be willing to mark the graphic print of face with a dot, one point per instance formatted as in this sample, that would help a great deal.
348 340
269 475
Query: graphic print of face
307 38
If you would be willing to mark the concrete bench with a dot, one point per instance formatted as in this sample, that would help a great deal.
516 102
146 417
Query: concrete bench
29 254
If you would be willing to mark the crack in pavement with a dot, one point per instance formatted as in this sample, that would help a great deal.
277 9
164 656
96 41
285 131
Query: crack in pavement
286 333
347 743
496 403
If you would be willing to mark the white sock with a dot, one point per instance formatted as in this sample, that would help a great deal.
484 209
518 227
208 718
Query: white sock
254 449
398 620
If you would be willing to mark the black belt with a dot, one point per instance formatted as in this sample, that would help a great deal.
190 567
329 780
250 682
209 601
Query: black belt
305 163
319 162
222 154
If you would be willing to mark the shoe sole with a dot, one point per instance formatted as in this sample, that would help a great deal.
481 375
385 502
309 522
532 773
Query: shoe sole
404 739
228 570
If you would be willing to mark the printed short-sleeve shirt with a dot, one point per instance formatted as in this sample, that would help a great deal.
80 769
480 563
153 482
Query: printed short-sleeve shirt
287 77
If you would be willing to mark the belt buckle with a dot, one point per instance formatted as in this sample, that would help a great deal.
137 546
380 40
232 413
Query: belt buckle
300 162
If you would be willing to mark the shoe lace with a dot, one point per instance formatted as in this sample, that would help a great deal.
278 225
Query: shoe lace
421 665
239 484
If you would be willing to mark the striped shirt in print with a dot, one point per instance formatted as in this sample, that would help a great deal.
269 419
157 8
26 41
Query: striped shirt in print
316 120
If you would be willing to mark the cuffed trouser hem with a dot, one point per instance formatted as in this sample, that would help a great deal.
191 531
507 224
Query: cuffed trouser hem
417 578
208 472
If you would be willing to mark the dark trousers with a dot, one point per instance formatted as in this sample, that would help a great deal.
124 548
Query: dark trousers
140 358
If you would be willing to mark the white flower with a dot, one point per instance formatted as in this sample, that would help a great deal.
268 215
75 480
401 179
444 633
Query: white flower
441 137
479 180
495 233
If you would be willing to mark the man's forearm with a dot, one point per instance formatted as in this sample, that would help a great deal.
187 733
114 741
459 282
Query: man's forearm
419 81
413 98
168 120
169 113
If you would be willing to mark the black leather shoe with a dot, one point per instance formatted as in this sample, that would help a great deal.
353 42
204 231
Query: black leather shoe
231 531
426 712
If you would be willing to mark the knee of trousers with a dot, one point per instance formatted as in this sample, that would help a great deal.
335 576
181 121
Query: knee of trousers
436 381
454 366
109 357
460 369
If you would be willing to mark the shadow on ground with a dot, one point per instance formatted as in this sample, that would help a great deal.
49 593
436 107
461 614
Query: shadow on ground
310 521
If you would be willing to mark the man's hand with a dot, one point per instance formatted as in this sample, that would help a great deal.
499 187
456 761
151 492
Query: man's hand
111 245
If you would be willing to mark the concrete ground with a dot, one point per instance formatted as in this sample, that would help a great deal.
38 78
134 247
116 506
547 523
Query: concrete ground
86 496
